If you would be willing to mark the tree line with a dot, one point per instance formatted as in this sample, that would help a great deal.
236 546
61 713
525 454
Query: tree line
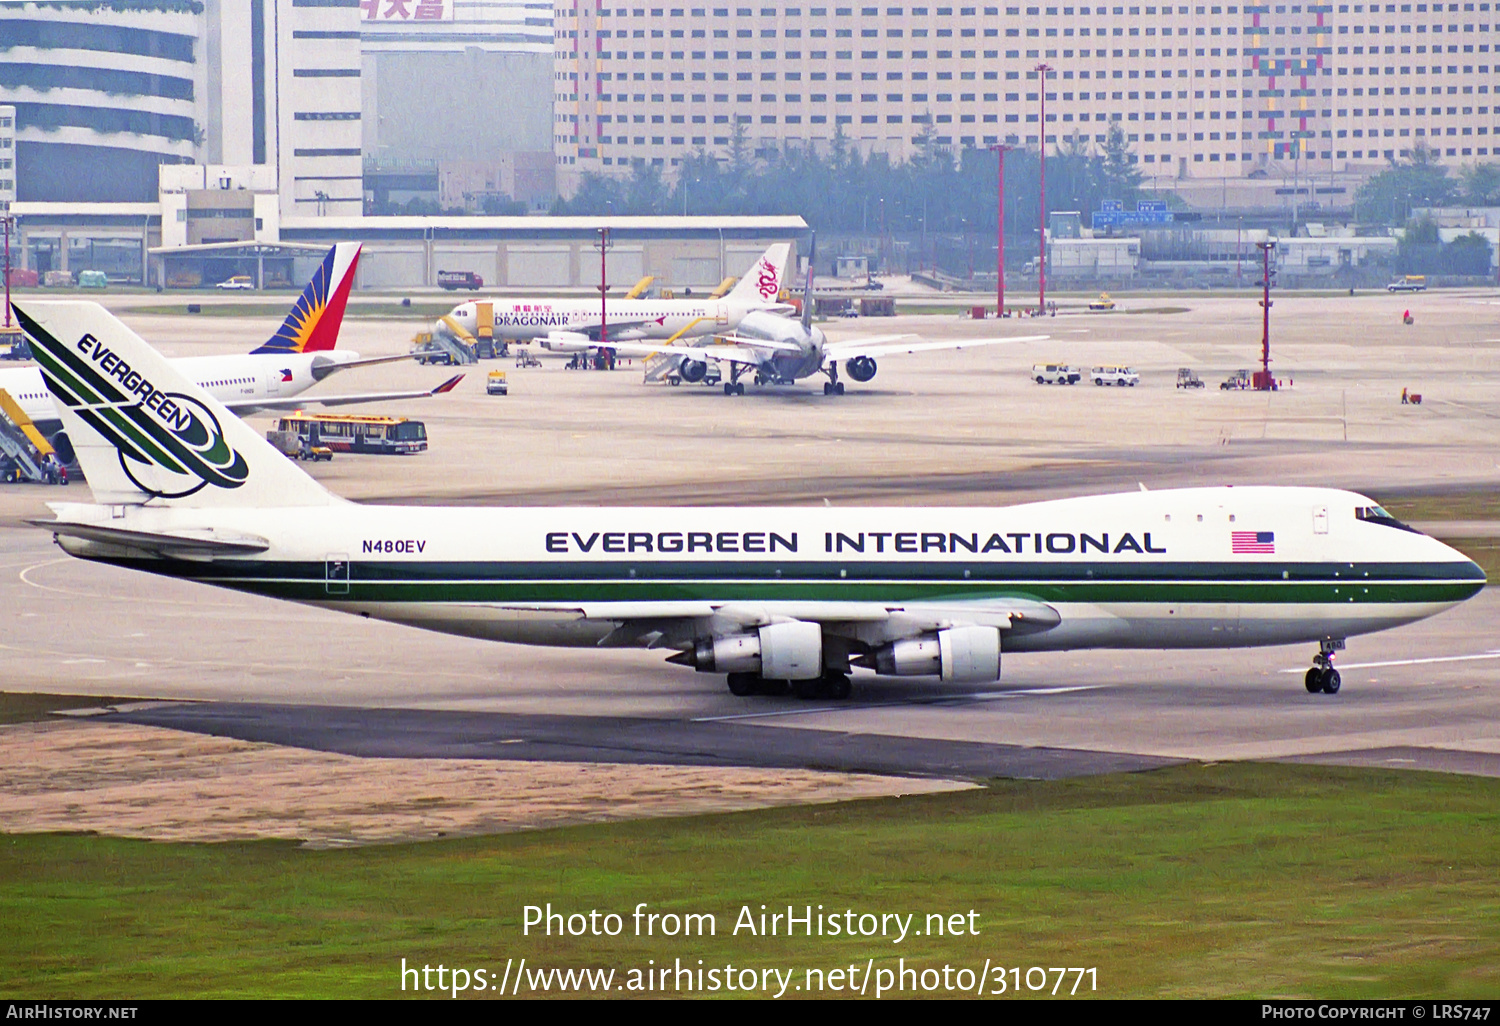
842 190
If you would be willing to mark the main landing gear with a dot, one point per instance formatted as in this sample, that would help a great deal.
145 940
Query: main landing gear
734 386
833 386
1323 677
830 685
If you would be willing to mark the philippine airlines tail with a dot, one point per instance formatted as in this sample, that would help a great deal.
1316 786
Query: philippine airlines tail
762 283
145 433
313 324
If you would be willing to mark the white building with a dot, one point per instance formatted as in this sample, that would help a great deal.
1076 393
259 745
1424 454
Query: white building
1200 91
7 157
105 93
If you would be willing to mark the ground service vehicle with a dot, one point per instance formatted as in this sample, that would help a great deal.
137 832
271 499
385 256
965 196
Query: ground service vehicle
1187 379
1115 376
1408 283
495 384
348 433
239 281
1103 304
1055 374
429 352
92 280
453 280
1237 382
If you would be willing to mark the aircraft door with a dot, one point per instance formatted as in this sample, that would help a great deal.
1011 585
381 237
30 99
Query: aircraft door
1320 520
336 574
273 382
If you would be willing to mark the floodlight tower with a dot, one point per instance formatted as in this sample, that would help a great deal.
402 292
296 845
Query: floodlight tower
1262 380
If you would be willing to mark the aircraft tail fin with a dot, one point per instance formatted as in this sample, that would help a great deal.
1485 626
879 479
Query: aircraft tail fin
313 325
144 433
762 283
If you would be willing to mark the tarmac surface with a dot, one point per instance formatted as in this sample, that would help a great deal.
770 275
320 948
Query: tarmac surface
945 428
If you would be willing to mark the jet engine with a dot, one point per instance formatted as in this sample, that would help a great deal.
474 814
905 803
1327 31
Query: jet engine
63 445
691 370
959 654
778 651
861 368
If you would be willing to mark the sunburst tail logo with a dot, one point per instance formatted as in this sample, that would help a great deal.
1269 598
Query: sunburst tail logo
313 325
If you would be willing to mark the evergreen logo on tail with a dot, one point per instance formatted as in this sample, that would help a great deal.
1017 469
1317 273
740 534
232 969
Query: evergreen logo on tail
170 444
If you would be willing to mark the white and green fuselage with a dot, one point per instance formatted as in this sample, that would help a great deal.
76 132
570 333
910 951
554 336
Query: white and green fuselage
1136 570
184 489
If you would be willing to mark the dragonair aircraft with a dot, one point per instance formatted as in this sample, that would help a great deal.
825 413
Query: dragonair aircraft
270 377
780 350
766 596
573 325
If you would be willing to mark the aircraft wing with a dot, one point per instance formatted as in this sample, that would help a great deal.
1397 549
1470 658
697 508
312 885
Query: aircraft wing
884 345
369 361
731 353
297 402
762 343
674 624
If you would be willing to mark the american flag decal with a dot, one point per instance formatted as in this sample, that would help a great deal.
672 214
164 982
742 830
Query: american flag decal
1252 542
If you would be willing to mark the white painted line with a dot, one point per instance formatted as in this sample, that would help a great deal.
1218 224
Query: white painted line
774 712
1406 662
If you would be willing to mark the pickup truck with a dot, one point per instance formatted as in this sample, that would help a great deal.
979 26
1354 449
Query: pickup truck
1115 376
1055 374
451 280
1410 283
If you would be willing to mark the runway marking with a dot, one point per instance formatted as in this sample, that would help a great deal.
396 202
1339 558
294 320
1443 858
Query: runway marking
106 597
978 696
1494 654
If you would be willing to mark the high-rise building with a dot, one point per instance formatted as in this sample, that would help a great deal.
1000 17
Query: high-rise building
7 157
1199 91
466 88
105 93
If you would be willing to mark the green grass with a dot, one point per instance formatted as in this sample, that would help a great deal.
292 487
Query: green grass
1234 879
1484 551
1471 505
18 707
393 310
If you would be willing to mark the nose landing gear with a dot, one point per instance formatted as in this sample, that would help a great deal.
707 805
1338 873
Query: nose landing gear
1323 677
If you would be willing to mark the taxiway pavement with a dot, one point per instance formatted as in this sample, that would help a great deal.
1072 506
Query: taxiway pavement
966 427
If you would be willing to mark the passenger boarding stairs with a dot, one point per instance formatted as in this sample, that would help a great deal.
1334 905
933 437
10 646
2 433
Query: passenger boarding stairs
21 441
449 336
658 366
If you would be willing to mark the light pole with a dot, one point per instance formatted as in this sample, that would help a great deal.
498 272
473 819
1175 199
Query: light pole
7 221
1263 382
1000 229
1239 243
603 245
1041 259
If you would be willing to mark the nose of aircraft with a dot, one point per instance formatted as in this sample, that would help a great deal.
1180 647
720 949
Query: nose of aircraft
1460 568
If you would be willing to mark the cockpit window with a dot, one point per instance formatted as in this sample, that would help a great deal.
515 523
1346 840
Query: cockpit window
1378 515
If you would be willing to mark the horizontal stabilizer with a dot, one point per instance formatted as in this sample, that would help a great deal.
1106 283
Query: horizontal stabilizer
206 544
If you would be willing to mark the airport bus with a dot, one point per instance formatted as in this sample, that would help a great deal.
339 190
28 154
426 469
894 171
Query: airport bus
349 433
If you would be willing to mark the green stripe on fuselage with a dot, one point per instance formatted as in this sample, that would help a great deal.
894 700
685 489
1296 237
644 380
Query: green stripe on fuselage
822 582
